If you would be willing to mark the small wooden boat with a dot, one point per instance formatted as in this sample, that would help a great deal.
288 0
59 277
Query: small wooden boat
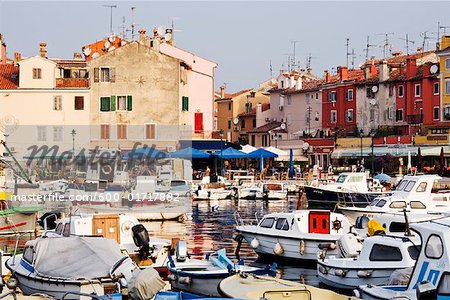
249 286
202 277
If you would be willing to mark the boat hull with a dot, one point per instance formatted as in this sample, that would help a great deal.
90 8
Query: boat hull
325 199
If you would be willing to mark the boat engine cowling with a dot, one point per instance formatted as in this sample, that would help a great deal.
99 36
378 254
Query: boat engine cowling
349 246
141 240
181 252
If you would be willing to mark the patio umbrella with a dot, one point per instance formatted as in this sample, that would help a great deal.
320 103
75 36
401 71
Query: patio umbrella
261 154
419 160
441 162
383 177
291 163
189 153
145 152
230 153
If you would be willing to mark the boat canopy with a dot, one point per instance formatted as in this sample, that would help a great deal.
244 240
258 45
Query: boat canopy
75 257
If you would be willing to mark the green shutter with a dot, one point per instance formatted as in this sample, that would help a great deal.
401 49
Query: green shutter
113 103
185 103
129 103
105 104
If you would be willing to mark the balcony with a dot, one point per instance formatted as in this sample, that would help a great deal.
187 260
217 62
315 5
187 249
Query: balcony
68 83
414 119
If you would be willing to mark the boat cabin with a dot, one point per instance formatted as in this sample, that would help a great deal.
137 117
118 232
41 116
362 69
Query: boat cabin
355 182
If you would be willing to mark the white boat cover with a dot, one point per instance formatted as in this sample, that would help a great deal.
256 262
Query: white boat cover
145 284
400 276
76 257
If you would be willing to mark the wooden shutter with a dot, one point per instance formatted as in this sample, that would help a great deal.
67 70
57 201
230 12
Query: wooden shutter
129 103
185 104
79 103
96 75
112 74
113 103
105 104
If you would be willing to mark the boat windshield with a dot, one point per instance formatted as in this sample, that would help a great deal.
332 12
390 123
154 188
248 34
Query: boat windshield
177 183
267 223
401 185
414 252
341 178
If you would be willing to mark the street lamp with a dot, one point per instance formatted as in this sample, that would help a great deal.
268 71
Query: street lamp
372 135
221 149
73 133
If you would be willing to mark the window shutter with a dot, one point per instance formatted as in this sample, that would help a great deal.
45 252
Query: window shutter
96 75
105 104
113 103
112 74
129 103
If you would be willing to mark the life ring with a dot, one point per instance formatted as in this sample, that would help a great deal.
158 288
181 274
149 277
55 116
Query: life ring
337 224
107 169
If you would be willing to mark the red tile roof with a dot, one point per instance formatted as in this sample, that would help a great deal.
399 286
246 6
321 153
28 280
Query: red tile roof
400 59
230 96
9 76
266 127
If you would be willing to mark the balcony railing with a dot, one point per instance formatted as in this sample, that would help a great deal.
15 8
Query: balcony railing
65 83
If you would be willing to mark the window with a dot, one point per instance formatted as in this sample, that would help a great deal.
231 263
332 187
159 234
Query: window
282 84
28 254
417 90
397 227
349 95
104 75
398 204
37 73
341 178
436 88
422 187
41 133
229 124
121 131
372 114
66 231
254 123
332 96
253 140
307 99
267 223
349 115
229 106
79 103
400 91
57 102
185 103
447 63
380 203
417 205
385 253
289 99
150 131
333 116
104 131
57 133
413 251
409 186
399 115
434 248
264 140
447 86
105 103
242 124
436 113
282 224
122 103
317 96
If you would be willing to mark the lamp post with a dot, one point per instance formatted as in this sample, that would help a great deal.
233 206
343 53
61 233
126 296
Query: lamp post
361 132
372 135
73 133
221 149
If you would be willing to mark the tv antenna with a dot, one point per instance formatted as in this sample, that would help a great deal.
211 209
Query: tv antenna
353 56
294 62
407 41
308 61
271 69
110 16
387 47
368 46
425 38
132 22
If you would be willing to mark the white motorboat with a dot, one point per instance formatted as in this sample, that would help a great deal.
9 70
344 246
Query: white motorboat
207 190
202 277
417 194
349 189
295 235
379 257
430 276
249 286
55 266
264 190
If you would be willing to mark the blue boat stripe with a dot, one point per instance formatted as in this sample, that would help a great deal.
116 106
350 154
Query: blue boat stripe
26 265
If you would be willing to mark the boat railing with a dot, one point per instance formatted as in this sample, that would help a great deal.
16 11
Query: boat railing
242 222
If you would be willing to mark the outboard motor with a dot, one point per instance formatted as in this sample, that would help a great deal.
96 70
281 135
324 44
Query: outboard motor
141 240
181 252
49 219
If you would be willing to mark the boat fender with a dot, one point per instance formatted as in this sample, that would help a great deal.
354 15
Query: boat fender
340 272
302 247
254 243
364 273
12 283
323 270
329 246
356 293
278 249
185 280
181 250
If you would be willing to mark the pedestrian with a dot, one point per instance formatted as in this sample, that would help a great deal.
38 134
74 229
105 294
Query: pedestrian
207 171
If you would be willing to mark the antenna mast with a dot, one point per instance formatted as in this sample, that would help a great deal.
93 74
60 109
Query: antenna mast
110 16
294 63
387 48
408 41
308 61
368 46
132 22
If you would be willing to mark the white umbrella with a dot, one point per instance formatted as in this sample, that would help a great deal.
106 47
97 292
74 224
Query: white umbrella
248 149
277 151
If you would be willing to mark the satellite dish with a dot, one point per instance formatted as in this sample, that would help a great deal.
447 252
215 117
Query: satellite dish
95 55
434 69
235 121
111 48
87 51
161 30
283 126
8 124
305 146
372 102
107 44
168 36
374 89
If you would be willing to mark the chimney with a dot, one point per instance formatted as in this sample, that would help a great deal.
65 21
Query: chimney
343 73
396 53
298 84
326 75
309 71
142 36
373 69
17 57
384 71
259 116
77 56
419 49
222 91
411 67
292 81
2 50
43 50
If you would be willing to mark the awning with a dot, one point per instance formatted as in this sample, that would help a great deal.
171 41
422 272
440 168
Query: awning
277 151
248 149
434 151
230 153
377 151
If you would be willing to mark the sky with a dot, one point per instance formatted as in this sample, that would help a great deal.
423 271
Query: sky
244 38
